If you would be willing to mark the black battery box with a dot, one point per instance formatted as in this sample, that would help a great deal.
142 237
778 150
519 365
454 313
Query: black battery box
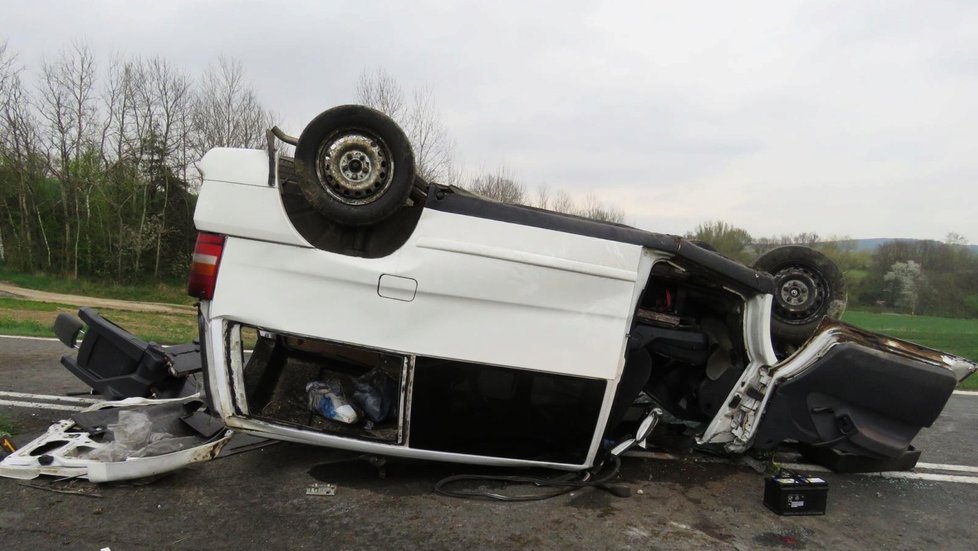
796 495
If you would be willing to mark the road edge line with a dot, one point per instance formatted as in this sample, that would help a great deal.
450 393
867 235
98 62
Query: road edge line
28 337
39 405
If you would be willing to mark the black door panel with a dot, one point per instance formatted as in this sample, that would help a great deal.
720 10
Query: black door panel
859 400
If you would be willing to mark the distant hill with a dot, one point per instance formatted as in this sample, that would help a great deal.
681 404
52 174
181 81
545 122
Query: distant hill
873 244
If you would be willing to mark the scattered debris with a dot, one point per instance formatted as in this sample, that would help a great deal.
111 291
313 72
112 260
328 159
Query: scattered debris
112 441
61 491
375 393
326 398
321 490
6 445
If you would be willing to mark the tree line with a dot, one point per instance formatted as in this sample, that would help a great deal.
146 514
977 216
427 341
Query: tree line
908 276
97 160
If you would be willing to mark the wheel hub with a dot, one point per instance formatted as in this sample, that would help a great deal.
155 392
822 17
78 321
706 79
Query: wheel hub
800 294
354 168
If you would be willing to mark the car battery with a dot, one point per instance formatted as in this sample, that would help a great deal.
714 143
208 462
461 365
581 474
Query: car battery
791 494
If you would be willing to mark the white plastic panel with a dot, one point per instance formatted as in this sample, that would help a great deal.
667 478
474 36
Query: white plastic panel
240 166
245 210
65 445
490 292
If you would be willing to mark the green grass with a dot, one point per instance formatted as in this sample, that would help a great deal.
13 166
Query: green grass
30 328
172 292
36 319
6 425
956 336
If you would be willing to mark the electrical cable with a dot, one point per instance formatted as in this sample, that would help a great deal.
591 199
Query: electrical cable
561 484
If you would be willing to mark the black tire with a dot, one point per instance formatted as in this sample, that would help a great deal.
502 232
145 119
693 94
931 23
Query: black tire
808 288
355 165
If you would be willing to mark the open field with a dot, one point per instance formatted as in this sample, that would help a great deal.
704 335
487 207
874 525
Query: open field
36 319
957 336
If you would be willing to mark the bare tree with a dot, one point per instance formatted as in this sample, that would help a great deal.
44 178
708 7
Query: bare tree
67 104
382 92
596 210
120 136
7 71
18 150
499 186
562 202
434 150
502 186
433 147
165 93
227 112
557 201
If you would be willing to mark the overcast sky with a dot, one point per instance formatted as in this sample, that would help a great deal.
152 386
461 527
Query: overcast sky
842 118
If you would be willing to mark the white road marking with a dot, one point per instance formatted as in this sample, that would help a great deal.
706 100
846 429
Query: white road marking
943 467
927 476
908 475
966 392
49 397
40 405
29 338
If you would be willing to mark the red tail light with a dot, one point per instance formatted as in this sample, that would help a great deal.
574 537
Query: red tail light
203 269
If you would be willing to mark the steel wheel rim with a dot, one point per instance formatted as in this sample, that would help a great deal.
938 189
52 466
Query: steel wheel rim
354 167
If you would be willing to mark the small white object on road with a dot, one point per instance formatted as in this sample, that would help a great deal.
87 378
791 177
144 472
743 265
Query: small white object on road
321 490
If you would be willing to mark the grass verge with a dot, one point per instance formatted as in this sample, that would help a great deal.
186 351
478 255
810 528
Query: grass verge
956 336
36 319
170 292
6 425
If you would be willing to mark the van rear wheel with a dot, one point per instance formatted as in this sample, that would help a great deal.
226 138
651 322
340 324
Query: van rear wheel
355 165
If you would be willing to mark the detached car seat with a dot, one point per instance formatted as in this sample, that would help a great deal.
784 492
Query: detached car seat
118 364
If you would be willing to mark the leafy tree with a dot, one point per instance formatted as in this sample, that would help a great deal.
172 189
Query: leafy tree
727 239
955 238
905 280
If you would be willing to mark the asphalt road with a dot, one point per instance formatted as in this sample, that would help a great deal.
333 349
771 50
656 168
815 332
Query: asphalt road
257 500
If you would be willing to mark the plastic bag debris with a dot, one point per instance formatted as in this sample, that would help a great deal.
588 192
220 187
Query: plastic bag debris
133 436
374 393
327 399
